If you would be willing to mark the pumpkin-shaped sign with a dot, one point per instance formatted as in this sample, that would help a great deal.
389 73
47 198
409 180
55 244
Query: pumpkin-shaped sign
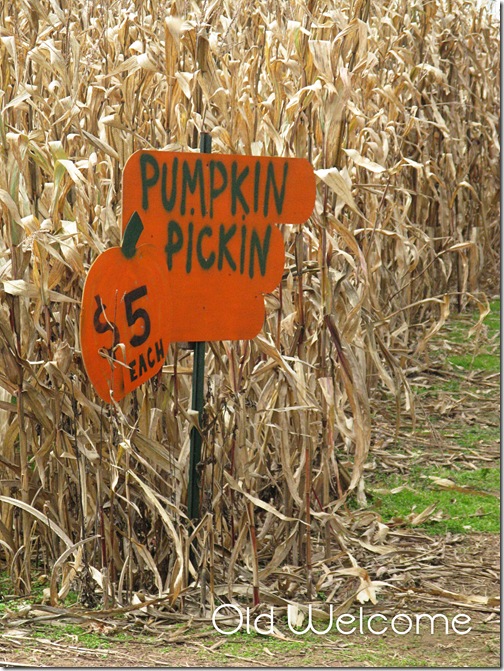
125 316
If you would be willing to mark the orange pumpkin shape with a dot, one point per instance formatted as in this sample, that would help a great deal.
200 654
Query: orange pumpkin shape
125 315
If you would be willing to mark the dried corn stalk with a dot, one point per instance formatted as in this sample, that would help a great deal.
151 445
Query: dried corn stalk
396 105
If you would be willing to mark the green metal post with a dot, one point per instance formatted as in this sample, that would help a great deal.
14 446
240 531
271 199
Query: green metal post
198 399
198 387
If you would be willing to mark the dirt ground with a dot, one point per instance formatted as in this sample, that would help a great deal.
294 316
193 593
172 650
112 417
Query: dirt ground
23 643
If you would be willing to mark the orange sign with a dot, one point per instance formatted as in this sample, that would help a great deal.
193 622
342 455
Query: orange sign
200 248
214 217
125 316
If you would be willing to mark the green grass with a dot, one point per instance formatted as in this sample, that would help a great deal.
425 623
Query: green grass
458 327
71 632
39 583
388 651
474 436
452 386
462 511
485 358
484 478
10 601
487 362
74 634
379 652
492 320
5 586
5 582
252 645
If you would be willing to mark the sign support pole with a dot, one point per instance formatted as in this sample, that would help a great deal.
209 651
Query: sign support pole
197 401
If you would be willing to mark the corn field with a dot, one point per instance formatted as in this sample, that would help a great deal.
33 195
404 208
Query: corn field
396 105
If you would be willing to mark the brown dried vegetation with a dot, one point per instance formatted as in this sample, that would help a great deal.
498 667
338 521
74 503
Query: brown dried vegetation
396 105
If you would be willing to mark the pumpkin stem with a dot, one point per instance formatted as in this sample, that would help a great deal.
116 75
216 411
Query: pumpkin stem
132 232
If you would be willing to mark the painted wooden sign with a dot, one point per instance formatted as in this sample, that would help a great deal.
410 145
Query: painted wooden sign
214 217
125 316
200 248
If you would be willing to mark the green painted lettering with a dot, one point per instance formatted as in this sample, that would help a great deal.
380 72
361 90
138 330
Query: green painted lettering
150 361
224 238
175 242
262 252
189 247
142 366
278 195
257 177
169 203
242 248
148 182
159 350
214 190
205 262
191 182
236 193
